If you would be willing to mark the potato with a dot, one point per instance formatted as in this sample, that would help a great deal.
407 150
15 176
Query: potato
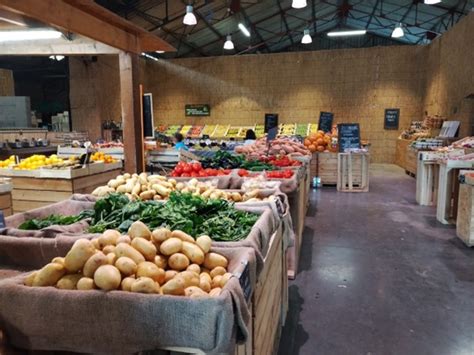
216 281
225 278
147 194
145 247
49 275
109 237
194 292
68 282
80 252
171 246
205 282
138 229
183 236
179 186
173 287
219 270
107 277
111 258
193 252
189 278
58 260
161 261
159 235
205 276
30 278
169 274
124 239
95 243
123 249
236 197
204 242
126 266
126 284
108 249
121 189
195 268
85 284
205 270
178 261
143 178
144 285
215 292
149 269
93 263
212 260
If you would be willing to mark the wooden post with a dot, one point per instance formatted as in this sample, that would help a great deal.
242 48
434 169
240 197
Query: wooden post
131 117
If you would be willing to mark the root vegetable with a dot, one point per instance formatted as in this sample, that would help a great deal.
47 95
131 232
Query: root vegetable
93 263
193 253
161 261
204 242
169 274
123 249
189 278
80 252
109 237
219 270
107 277
183 236
215 292
30 278
205 285
171 246
147 194
194 268
108 249
173 287
85 284
159 235
216 281
68 282
225 278
138 229
124 239
58 260
145 247
195 292
111 258
178 262
144 285
212 260
149 269
126 284
49 275
126 266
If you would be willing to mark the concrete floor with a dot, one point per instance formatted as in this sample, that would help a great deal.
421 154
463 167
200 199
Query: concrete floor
379 275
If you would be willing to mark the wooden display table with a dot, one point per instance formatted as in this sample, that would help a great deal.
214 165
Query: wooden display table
401 152
465 220
326 168
448 189
31 192
411 161
6 197
427 174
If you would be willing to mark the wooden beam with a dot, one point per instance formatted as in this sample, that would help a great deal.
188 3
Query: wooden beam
78 46
131 112
86 18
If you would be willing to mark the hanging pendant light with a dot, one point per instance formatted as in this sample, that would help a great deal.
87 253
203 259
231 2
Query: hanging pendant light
398 32
189 19
432 2
298 4
306 37
229 45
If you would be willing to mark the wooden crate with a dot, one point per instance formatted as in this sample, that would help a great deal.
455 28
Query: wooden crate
6 203
353 172
327 168
465 218
269 301
29 192
411 161
401 152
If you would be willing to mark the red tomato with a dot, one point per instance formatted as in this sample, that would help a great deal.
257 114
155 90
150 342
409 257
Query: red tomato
202 173
196 167
227 171
185 175
174 174
187 169
194 174
243 172
178 169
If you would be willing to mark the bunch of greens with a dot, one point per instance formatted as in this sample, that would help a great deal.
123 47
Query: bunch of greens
256 165
54 219
223 160
192 214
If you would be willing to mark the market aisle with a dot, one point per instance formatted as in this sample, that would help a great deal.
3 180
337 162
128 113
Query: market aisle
379 275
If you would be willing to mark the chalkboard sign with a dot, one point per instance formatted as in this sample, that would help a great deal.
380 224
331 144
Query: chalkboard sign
2 220
271 121
392 116
325 121
349 136
197 110
148 126
244 280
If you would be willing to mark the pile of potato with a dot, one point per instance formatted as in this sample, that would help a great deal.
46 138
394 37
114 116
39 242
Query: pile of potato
143 186
157 187
160 262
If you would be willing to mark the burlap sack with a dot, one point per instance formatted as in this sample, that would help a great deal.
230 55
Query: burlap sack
222 182
124 323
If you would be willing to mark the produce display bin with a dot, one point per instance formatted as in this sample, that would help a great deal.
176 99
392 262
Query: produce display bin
401 152
32 192
411 161
353 172
465 220
6 196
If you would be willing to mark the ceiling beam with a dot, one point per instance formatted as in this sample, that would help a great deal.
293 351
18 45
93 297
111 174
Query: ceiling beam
86 18
283 17
255 29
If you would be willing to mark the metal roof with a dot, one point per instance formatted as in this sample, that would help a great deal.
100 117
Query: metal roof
277 27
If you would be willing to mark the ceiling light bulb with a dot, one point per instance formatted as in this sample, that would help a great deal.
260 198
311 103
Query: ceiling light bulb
229 45
306 37
398 32
160 52
28 35
244 29
432 2
347 33
56 57
189 19
298 4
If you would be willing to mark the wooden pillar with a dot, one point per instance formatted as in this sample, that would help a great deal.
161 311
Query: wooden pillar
131 112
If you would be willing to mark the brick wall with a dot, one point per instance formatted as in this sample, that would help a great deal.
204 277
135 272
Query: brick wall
94 93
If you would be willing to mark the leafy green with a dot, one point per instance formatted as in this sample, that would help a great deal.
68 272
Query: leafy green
224 160
54 219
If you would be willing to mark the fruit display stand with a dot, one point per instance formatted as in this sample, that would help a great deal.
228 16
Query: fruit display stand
326 167
401 152
411 161
448 189
42 187
465 218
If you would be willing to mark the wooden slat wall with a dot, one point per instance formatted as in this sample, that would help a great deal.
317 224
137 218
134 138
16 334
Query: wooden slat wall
7 84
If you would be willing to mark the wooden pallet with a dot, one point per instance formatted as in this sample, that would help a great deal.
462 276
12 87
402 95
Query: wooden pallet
353 176
465 218
427 179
